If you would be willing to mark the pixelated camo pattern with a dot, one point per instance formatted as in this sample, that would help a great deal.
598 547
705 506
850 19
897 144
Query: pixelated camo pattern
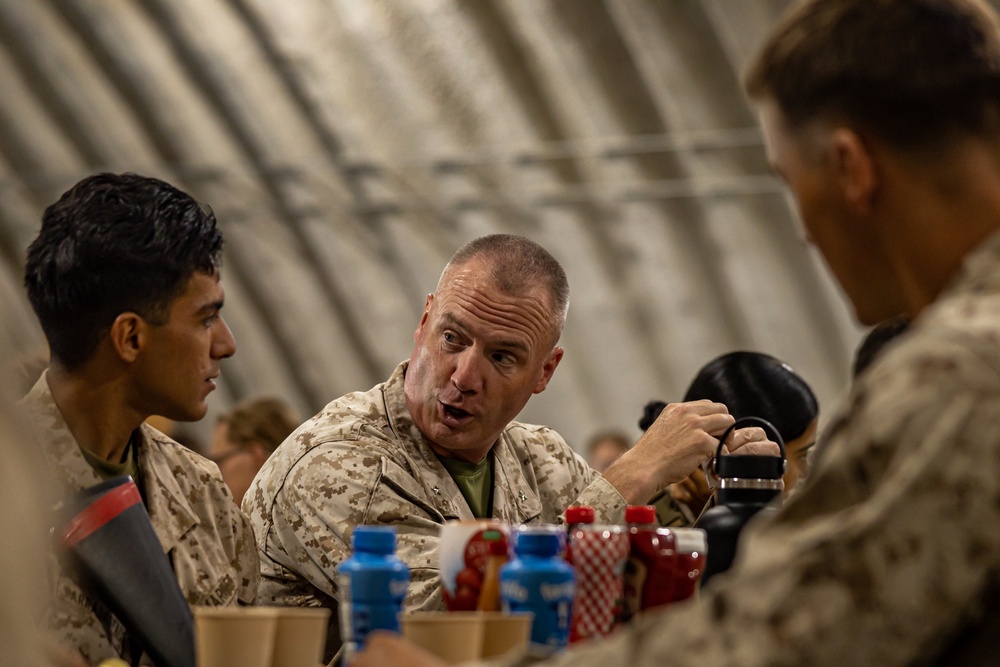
207 538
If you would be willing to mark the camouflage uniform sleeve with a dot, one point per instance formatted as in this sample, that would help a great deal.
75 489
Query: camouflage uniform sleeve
338 486
70 621
235 534
878 561
609 505
245 561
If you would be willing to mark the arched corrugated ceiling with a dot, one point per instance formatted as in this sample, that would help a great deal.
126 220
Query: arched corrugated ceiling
349 146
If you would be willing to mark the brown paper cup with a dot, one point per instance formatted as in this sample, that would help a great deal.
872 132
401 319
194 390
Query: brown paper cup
452 636
503 633
226 636
300 636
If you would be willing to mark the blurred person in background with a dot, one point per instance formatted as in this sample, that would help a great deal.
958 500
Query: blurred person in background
246 436
604 448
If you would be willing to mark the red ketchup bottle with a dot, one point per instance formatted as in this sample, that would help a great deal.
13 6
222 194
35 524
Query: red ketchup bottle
641 527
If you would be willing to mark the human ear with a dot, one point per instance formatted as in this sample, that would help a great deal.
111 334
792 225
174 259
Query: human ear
128 336
548 368
855 168
423 318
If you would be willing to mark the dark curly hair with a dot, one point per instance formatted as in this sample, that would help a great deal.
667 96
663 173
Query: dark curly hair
114 243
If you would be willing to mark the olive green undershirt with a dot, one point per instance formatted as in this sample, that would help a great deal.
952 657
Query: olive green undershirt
475 481
106 470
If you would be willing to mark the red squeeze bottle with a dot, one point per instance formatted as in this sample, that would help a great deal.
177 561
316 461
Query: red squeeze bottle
641 525
574 517
599 555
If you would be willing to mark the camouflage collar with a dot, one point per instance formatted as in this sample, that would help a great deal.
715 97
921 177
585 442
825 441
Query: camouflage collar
169 508
978 272
169 511
438 485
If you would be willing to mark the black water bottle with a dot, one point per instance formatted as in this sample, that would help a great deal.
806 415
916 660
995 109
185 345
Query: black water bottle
747 485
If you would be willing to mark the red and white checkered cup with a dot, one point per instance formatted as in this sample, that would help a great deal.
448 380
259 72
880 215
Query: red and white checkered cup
599 555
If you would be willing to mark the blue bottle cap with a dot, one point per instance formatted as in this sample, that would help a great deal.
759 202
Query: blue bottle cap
541 541
374 539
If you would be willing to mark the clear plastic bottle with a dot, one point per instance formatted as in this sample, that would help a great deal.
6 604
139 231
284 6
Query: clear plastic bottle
540 581
372 585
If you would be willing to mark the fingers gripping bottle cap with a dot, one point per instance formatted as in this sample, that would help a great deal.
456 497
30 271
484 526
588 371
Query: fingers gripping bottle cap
748 485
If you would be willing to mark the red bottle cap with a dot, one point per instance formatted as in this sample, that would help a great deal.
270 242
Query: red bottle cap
640 514
581 514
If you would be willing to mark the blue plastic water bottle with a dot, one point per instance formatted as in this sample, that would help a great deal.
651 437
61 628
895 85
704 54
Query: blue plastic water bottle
371 584
540 581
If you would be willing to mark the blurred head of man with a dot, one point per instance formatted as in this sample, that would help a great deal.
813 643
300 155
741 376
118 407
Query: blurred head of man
882 117
485 343
247 436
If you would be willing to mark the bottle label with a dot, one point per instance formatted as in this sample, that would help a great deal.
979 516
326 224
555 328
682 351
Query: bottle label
463 553
549 596
370 599
636 573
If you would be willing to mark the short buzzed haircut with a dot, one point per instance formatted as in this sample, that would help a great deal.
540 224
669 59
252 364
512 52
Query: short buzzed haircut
912 72
517 265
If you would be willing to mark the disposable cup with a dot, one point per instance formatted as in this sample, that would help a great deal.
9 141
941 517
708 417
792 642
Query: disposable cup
503 633
227 636
452 636
300 636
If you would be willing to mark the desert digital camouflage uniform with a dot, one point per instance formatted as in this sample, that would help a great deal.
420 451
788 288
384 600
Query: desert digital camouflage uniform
208 540
362 460
890 553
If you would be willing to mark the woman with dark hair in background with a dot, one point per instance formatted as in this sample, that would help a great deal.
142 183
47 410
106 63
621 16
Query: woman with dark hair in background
749 384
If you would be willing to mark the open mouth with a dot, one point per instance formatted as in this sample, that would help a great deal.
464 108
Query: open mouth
453 413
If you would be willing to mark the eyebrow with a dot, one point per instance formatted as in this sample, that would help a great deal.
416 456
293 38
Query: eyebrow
211 307
506 344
